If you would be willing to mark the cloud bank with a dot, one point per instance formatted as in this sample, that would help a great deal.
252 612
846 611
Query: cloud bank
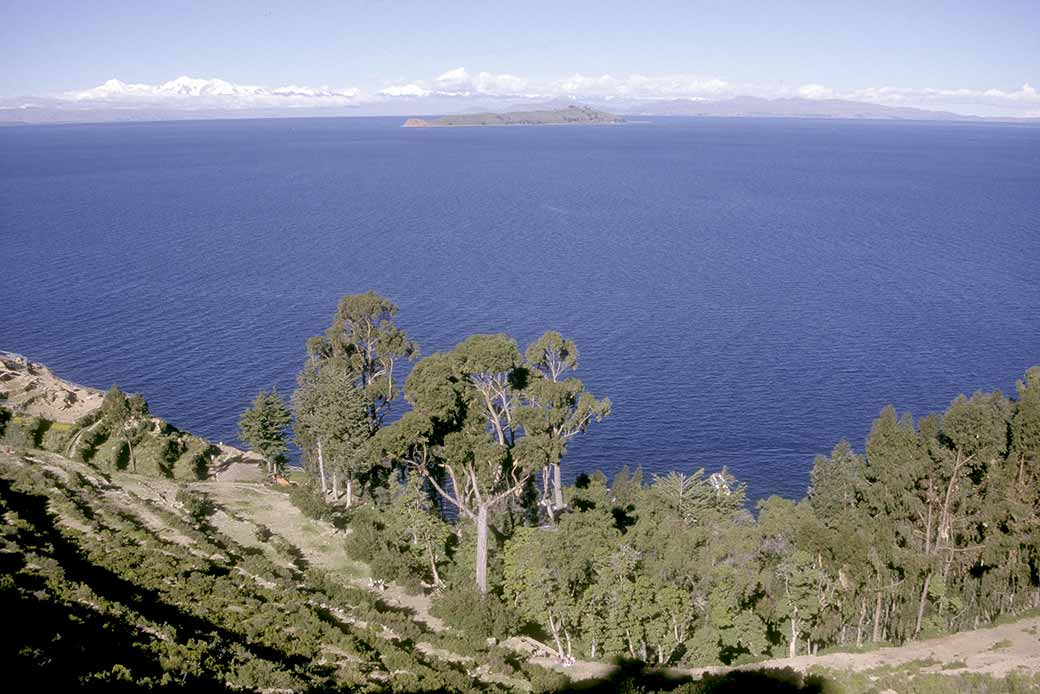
208 93
460 89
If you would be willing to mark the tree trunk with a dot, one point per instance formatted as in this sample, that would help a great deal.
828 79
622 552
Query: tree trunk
335 485
593 649
859 625
876 636
350 490
793 647
433 566
133 458
921 604
556 636
321 471
482 548
557 487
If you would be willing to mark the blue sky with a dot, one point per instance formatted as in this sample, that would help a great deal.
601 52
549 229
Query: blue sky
762 48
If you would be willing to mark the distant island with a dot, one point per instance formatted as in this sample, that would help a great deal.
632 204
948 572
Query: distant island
571 115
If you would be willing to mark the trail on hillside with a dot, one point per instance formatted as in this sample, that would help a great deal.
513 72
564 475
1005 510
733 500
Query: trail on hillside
995 651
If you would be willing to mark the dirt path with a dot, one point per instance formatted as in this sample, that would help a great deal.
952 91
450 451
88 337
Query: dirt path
995 651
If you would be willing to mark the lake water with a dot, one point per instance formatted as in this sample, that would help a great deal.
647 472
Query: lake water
746 292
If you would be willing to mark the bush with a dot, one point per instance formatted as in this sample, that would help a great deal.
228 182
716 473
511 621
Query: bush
88 443
170 448
24 432
308 499
199 506
198 460
477 616
372 542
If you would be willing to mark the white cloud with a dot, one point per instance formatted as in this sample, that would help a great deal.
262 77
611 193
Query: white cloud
195 93
459 82
961 100
405 90
815 91
639 86
191 92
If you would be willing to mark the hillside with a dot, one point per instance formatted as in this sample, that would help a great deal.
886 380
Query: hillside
146 581
139 555
211 583
571 115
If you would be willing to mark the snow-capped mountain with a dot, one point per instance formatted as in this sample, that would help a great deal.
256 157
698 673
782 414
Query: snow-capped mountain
216 92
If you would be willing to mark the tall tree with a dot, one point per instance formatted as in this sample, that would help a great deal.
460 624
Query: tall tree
363 333
557 407
465 423
362 341
263 428
333 412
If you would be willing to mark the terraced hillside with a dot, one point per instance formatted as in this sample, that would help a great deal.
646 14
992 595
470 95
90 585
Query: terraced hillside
117 580
144 582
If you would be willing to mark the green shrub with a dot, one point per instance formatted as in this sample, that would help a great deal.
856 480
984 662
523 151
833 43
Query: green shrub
169 450
199 506
308 499
477 616
24 432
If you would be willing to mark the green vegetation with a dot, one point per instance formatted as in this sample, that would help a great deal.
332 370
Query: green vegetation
101 599
119 435
457 493
263 428
933 530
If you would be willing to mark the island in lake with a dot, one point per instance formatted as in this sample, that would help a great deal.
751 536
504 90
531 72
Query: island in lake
572 115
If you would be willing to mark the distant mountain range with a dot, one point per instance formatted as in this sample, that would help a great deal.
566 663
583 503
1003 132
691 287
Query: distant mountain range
750 106
32 110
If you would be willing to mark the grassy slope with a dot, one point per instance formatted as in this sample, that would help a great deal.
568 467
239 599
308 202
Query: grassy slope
115 582
260 596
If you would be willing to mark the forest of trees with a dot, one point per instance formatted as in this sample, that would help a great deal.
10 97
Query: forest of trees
454 484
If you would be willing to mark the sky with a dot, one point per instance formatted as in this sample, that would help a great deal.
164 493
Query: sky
971 57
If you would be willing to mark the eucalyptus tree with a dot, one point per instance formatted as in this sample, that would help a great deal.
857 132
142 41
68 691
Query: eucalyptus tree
332 411
424 531
557 407
363 334
844 536
901 501
262 427
1021 497
358 354
465 424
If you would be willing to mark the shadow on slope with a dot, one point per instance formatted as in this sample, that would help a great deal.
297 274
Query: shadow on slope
57 639
633 676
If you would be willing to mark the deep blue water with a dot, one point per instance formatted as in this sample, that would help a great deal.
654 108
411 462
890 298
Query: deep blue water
747 292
